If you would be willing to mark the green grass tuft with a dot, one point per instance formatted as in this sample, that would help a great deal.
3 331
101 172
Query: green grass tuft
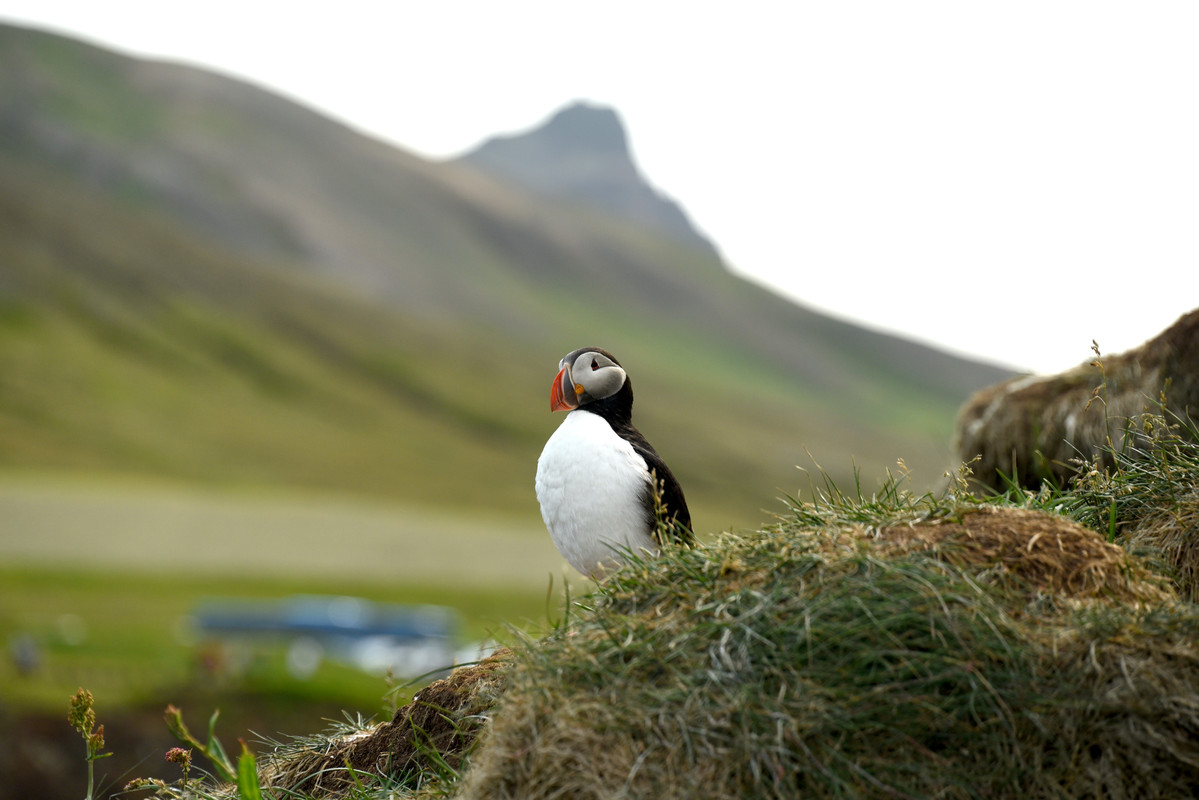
1142 494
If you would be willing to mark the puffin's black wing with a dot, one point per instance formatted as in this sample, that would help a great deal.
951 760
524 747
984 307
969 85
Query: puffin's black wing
666 506
669 507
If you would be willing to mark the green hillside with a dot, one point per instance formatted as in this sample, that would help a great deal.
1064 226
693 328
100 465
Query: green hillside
138 351
201 281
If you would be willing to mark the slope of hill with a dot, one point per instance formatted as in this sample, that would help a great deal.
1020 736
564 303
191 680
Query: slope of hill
125 345
203 280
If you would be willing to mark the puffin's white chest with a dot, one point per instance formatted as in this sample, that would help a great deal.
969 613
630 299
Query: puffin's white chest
591 486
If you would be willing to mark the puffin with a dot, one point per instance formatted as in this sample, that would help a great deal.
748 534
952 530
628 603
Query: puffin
604 491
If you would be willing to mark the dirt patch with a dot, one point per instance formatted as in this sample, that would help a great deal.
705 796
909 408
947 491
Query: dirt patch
1047 553
440 723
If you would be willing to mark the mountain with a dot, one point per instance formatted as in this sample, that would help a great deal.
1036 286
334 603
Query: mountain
202 280
581 154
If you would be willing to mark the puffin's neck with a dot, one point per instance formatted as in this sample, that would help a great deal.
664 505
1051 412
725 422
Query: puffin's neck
617 409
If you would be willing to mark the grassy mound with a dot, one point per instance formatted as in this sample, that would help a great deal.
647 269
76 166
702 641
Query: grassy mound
960 652
883 646
825 663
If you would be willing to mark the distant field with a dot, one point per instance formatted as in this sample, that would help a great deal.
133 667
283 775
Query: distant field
102 578
137 527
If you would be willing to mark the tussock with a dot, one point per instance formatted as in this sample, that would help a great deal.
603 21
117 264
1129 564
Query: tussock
1032 429
1148 501
1173 532
909 662
1043 552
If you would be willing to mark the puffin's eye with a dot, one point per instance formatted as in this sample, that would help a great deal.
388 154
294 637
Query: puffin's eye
594 365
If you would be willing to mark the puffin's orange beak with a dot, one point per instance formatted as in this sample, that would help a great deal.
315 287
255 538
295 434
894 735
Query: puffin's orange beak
562 393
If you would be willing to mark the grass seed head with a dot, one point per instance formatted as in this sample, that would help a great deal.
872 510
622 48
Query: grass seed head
82 713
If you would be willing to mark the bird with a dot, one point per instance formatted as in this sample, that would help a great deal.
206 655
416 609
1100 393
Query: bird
602 487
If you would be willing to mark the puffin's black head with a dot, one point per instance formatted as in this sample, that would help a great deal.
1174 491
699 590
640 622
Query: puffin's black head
586 375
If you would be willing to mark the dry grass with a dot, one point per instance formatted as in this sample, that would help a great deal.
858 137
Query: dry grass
1048 553
427 737
1173 532
1033 429
1142 495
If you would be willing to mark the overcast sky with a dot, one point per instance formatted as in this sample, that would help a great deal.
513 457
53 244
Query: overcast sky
1007 180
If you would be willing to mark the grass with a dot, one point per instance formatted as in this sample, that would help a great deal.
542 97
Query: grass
1142 494
876 642
124 634
869 642
819 659
137 525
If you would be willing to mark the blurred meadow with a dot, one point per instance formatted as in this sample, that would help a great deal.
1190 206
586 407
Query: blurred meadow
101 582
100 577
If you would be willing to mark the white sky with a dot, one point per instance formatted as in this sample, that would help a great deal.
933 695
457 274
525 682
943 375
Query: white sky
1007 180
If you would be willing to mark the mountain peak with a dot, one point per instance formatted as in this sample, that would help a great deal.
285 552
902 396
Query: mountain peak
587 128
581 154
